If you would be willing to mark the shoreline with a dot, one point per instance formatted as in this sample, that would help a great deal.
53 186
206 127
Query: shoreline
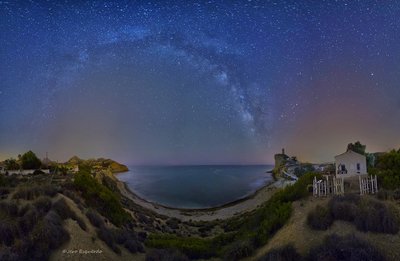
224 211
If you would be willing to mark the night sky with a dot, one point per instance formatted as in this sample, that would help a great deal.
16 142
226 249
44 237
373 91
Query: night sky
198 82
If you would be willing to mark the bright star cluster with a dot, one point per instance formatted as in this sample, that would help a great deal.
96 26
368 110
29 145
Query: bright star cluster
198 82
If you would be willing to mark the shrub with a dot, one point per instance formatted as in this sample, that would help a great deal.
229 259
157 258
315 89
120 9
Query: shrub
173 223
110 184
107 236
30 193
165 255
95 218
345 248
62 208
72 195
273 217
99 196
344 207
47 234
4 191
29 217
43 204
396 194
365 213
384 194
128 239
8 232
193 247
133 246
388 170
320 218
8 208
238 250
27 193
285 253
375 216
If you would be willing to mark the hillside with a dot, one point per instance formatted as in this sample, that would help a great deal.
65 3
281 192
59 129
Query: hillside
98 164
303 238
54 216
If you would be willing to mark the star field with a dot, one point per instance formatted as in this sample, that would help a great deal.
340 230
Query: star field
198 82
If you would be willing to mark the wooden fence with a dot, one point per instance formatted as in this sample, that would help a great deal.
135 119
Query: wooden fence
328 186
368 184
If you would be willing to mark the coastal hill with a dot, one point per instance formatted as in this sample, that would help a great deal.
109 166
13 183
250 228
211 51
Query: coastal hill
100 163
65 212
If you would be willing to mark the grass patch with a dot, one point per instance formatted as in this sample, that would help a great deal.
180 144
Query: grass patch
193 247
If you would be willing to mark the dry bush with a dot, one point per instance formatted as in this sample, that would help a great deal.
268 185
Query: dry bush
95 218
320 218
285 253
348 248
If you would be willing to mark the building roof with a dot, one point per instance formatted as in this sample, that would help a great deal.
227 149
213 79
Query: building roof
350 152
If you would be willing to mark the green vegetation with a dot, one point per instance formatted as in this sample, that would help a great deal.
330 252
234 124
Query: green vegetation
357 147
100 197
365 213
303 169
387 168
193 247
244 233
163 254
11 164
30 161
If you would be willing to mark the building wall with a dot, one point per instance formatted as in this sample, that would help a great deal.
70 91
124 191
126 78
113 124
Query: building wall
25 171
350 160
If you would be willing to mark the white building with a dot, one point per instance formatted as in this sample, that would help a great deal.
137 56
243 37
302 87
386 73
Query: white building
350 164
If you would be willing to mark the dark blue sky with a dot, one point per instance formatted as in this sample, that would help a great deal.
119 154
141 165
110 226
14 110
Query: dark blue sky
187 82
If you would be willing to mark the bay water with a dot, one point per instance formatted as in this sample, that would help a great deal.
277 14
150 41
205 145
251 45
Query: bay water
193 187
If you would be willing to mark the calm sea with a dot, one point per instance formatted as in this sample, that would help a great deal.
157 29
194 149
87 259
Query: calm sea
195 186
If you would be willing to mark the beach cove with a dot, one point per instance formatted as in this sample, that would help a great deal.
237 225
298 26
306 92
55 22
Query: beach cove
231 209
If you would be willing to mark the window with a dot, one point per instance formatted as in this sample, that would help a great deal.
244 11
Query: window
358 166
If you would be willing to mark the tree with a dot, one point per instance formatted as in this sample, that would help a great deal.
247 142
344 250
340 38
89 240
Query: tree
388 170
357 147
11 164
30 161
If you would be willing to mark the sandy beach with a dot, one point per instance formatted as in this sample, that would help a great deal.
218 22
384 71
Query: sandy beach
226 211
